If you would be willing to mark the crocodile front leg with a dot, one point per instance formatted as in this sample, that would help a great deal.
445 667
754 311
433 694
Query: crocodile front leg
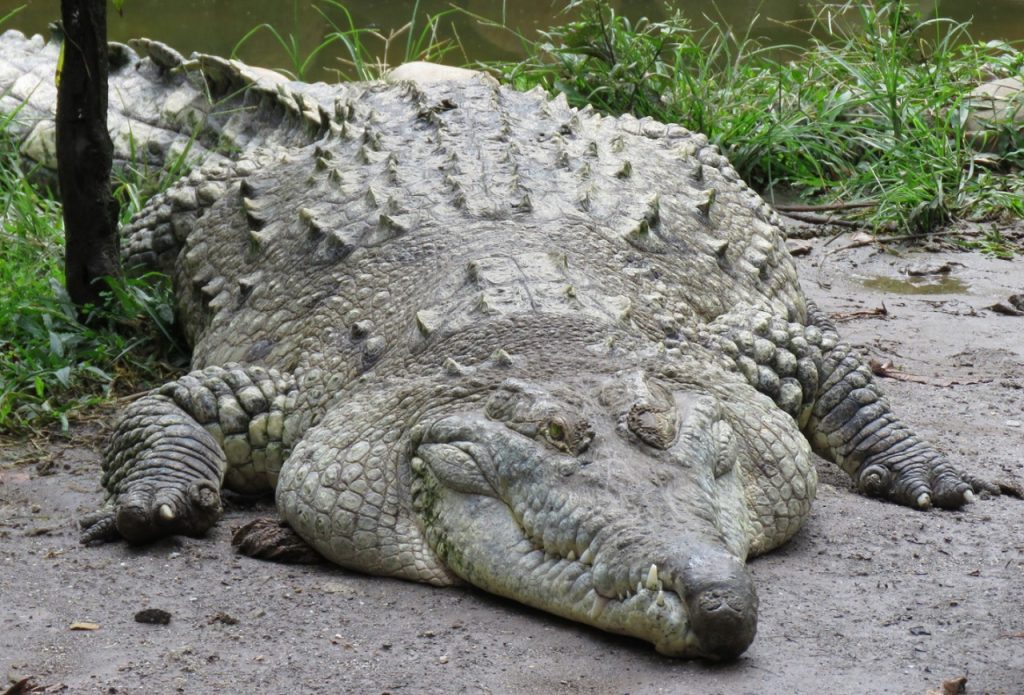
825 385
173 450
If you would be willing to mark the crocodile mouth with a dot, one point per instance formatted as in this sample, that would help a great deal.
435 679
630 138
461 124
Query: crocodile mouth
559 550
594 590
577 587
681 612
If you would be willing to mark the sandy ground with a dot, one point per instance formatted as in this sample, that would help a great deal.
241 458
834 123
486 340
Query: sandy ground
868 598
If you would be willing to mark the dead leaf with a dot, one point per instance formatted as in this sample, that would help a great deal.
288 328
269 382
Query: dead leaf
84 626
954 686
799 248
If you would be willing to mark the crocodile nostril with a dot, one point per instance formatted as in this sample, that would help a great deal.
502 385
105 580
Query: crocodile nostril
724 619
721 602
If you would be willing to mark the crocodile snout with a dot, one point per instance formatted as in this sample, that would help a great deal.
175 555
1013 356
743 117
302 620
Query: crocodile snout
722 606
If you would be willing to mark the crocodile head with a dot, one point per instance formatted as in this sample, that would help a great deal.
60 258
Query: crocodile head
616 502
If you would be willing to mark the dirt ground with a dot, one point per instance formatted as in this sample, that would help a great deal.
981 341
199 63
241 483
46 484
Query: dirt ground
868 598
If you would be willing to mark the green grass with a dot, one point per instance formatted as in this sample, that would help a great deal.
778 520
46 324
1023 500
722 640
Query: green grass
52 365
873 109
365 54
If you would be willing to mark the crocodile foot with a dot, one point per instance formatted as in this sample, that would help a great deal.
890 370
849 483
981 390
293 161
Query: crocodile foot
919 480
143 515
274 540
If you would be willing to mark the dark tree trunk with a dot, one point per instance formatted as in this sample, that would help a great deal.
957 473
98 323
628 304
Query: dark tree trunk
84 153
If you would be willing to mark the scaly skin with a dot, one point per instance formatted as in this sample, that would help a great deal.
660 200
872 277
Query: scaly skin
472 335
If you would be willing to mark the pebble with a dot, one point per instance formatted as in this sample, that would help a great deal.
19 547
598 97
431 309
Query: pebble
153 616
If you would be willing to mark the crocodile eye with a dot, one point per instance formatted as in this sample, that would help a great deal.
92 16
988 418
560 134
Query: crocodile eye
569 435
555 431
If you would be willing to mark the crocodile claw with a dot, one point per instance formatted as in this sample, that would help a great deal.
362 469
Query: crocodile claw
921 480
98 526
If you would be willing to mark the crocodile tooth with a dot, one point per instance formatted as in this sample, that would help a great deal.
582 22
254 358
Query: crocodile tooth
652 578
587 557
639 588
571 557
661 598
969 496
599 603
924 500
166 513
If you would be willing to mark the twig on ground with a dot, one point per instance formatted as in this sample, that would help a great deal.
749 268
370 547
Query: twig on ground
822 219
886 370
825 208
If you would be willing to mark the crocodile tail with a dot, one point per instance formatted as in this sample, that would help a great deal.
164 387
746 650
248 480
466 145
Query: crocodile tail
164 111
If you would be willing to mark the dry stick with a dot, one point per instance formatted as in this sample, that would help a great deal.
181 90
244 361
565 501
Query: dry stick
824 208
920 235
821 219
890 239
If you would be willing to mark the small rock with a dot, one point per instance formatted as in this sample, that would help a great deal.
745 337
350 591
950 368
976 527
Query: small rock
222 618
443 659
153 616
919 269
1011 306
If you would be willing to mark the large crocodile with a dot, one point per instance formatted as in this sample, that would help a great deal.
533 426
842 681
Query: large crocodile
474 335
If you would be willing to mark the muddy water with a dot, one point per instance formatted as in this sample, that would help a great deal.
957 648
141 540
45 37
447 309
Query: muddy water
215 26
917 285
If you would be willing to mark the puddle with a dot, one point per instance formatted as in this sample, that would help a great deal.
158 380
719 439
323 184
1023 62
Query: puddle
943 284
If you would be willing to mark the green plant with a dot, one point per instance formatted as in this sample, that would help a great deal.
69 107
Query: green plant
992 243
873 110
52 364
289 43
367 52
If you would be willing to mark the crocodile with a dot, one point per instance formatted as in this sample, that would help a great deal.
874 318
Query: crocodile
469 335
